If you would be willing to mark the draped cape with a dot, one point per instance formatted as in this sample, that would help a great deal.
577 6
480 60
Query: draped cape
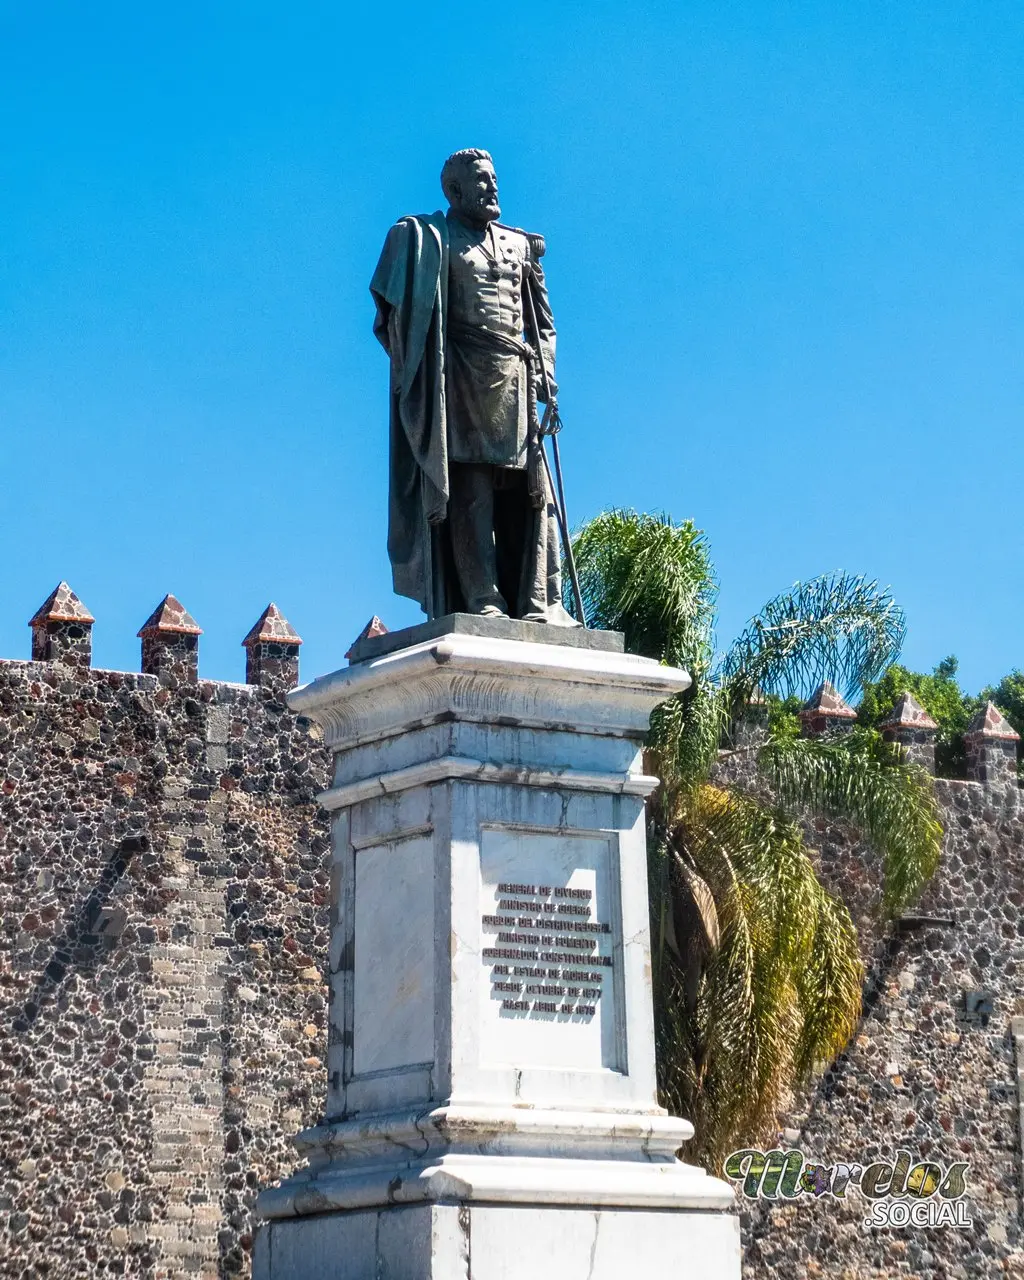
410 289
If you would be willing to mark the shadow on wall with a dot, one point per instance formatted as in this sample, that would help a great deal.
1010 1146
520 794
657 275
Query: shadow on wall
90 930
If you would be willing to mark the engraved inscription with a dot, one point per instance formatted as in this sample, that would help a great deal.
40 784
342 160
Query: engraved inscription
549 948
550 954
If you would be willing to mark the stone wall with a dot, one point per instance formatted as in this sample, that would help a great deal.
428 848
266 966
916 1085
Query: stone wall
164 900
924 1073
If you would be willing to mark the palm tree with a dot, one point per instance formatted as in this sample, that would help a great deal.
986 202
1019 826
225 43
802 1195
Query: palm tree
757 973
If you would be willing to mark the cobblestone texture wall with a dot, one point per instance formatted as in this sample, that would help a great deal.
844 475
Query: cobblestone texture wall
163 899
163 894
923 1074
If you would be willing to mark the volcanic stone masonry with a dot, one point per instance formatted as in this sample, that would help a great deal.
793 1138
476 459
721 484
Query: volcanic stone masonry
933 1068
163 891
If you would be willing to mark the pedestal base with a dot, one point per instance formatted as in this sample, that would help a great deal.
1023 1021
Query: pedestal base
491 1104
500 1242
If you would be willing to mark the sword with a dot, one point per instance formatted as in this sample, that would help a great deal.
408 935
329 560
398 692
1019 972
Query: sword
550 425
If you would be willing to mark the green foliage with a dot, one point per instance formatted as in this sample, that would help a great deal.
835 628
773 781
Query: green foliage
948 705
776 995
939 693
860 777
653 580
784 717
756 969
1008 695
838 628
941 696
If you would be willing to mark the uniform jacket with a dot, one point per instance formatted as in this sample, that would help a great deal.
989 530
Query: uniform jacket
410 288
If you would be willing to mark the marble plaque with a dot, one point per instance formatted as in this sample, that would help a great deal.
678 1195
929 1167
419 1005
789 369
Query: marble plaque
393 1018
550 945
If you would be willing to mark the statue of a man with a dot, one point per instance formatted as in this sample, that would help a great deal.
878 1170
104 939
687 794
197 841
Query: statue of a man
472 523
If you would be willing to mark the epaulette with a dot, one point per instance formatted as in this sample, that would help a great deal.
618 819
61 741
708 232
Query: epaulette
536 240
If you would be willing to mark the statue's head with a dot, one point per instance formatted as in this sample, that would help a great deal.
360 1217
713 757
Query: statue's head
471 187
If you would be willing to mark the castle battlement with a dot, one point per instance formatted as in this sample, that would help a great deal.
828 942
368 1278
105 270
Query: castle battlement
62 634
164 901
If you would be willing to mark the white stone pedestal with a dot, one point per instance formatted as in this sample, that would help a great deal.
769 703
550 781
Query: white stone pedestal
491 1106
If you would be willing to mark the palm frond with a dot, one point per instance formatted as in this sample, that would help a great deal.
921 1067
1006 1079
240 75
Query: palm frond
838 627
861 778
830 986
756 972
652 579
685 735
704 910
775 994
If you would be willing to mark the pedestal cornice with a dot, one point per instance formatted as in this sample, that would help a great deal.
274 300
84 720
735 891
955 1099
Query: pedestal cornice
501 682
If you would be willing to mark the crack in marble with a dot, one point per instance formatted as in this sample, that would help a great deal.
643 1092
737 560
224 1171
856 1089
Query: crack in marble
593 1245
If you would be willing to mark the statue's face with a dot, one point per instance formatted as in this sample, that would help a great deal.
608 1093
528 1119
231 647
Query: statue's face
475 195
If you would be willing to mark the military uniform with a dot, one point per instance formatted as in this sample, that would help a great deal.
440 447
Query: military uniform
487 388
471 520
486 383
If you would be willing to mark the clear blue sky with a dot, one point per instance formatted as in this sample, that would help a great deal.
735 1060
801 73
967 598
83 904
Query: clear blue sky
785 253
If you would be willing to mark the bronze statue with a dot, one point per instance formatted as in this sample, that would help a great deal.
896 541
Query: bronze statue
463 313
